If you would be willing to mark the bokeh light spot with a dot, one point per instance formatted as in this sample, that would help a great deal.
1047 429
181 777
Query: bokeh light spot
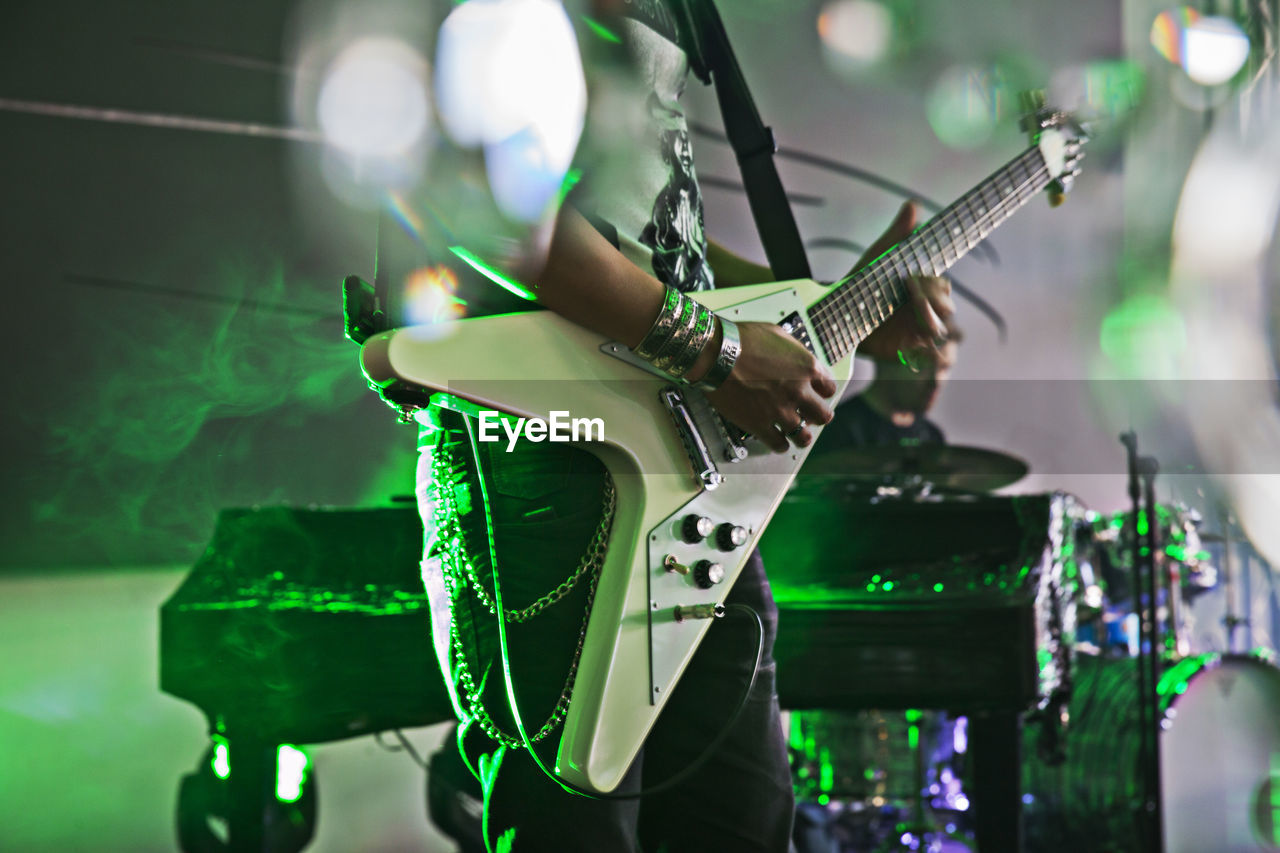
431 296
1144 336
1167 31
1216 49
965 103
373 101
1102 89
1210 49
856 32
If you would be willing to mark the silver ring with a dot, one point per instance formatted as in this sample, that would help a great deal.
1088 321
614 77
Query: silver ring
799 429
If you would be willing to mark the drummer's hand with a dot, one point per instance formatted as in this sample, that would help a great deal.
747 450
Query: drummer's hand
923 323
775 388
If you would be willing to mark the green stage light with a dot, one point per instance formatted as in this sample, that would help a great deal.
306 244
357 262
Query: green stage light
292 767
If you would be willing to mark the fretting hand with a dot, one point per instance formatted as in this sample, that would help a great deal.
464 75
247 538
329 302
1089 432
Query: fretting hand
927 319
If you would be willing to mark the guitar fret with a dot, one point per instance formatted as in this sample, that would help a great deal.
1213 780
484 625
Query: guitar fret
938 250
934 251
868 324
973 235
858 305
915 256
883 308
845 340
832 331
1023 178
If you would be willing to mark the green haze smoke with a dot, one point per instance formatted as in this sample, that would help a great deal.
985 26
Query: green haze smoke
181 408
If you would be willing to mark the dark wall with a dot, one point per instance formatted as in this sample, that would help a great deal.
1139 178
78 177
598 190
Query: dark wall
133 415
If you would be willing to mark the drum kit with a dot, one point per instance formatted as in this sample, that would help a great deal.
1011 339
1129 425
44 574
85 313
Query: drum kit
880 780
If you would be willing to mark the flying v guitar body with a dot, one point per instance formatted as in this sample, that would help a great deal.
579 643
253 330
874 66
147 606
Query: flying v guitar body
670 458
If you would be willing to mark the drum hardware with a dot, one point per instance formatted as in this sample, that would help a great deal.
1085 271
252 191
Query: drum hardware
1142 472
883 780
1187 572
914 470
1231 619
1219 738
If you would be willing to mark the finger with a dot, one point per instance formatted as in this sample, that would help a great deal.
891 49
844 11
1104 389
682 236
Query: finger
938 291
926 317
802 438
824 383
935 283
774 438
795 429
815 410
901 227
945 307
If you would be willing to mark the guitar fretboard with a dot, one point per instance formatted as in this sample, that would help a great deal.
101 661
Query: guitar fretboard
861 302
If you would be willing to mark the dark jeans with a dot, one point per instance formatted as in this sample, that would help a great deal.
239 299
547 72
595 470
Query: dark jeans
545 502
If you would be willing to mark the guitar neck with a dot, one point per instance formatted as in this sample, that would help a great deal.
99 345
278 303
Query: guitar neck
858 304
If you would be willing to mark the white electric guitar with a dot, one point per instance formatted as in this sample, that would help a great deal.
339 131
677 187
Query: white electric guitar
692 496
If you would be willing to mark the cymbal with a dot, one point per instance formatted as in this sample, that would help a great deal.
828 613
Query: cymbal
949 466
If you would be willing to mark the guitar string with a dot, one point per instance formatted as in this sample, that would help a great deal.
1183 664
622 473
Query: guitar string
872 279
881 275
929 230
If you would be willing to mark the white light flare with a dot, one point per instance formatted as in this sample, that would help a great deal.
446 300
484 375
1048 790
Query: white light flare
1216 48
1210 49
373 101
1223 282
1227 213
509 80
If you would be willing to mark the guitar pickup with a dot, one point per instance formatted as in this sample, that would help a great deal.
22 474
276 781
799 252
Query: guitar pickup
704 467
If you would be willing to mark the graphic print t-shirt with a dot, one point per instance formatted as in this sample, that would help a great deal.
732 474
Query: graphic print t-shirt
636 154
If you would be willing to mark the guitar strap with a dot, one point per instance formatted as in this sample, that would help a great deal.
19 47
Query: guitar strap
712 60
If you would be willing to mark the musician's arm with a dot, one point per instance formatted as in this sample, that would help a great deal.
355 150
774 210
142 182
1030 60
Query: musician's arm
733 270
776 381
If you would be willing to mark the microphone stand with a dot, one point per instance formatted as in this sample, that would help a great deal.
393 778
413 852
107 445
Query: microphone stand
1148 468
1142 584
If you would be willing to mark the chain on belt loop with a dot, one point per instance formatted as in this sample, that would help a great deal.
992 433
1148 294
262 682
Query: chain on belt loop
460 570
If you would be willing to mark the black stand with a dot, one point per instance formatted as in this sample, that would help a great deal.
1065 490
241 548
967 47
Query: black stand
251 789
995 747
1142 473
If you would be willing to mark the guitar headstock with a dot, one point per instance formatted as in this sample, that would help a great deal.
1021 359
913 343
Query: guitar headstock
1061 139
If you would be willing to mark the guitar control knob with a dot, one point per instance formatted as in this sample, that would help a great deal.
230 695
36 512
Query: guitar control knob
707 574
730 536
696 528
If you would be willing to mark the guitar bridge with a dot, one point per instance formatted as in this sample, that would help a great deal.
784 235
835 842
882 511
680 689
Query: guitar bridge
704 467
732 439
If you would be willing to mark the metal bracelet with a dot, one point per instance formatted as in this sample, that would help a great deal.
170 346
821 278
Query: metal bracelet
730 349
703 331
679 339
663 325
